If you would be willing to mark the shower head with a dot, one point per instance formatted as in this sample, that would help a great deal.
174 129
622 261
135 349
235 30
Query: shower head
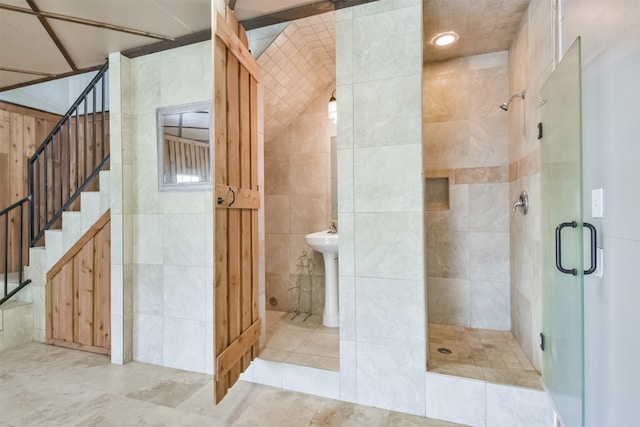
505 105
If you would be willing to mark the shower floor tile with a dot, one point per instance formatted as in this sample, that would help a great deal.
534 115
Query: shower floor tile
481 354
301 341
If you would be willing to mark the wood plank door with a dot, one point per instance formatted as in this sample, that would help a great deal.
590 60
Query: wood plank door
78 293
235 112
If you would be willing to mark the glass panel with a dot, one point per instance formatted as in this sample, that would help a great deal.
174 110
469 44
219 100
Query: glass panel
561 180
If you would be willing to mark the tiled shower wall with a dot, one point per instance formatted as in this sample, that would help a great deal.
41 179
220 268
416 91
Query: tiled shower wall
530 64
465 138
382 312
297 202
162 242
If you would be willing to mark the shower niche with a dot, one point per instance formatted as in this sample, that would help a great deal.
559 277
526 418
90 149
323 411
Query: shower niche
436 194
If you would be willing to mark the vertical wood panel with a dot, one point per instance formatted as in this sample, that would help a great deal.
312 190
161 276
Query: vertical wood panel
102 292
83 284
54 286
234 236
29 135
65 303
5 132
245 182
21 131
166 170
16 185
174 170
221 307
16 156
253 113
5 194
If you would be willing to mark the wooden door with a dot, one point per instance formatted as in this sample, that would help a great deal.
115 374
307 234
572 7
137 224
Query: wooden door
235 112
78 293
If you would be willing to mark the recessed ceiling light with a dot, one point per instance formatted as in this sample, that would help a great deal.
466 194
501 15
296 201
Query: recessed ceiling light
444 39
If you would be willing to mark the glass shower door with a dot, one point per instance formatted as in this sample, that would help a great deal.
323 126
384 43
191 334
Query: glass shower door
562 239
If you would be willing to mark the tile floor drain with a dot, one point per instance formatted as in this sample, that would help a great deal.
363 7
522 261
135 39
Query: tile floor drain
444 350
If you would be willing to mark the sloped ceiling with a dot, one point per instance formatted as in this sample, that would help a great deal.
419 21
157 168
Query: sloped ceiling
296 68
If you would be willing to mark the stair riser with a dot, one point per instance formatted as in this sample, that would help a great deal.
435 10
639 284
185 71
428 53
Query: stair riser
16 324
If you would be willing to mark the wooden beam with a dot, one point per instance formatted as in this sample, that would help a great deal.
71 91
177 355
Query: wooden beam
343 4
289 15
33 73
52 77
53 35
230 356
300 12
225 33
77 247
198 37
83 21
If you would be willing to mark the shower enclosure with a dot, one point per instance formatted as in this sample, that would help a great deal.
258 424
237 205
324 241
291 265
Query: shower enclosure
562 239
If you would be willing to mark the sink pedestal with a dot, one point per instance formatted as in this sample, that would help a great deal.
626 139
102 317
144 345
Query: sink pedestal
327 244
330 315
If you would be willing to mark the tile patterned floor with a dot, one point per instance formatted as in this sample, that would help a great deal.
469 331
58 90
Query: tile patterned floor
301 342
482 354
42 385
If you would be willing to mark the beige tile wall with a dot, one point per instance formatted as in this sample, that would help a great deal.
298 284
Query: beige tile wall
296 68
465 138
297 200
530 64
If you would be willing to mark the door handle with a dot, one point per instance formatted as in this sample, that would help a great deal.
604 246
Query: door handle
559 266
594 249
593 252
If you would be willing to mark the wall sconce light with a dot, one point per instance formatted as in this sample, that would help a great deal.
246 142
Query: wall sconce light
333 107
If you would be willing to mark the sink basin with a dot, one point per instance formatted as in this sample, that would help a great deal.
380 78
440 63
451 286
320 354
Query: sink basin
327 244
323 242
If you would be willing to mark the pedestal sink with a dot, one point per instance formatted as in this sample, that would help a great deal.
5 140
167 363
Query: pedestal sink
327 244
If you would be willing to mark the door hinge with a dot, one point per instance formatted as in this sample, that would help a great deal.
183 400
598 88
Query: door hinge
540 130
541 341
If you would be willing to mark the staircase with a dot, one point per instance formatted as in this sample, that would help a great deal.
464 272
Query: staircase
69 190
58 242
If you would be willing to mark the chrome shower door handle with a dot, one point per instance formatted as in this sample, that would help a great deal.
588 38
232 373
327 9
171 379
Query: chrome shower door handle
559 266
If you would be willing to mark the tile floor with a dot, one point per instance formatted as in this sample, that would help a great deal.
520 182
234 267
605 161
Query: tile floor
301 342
482 354
42 385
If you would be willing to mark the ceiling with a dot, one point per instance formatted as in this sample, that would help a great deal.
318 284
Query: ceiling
45 39
483 26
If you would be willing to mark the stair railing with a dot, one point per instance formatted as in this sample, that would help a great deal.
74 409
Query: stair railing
69 158
13 214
